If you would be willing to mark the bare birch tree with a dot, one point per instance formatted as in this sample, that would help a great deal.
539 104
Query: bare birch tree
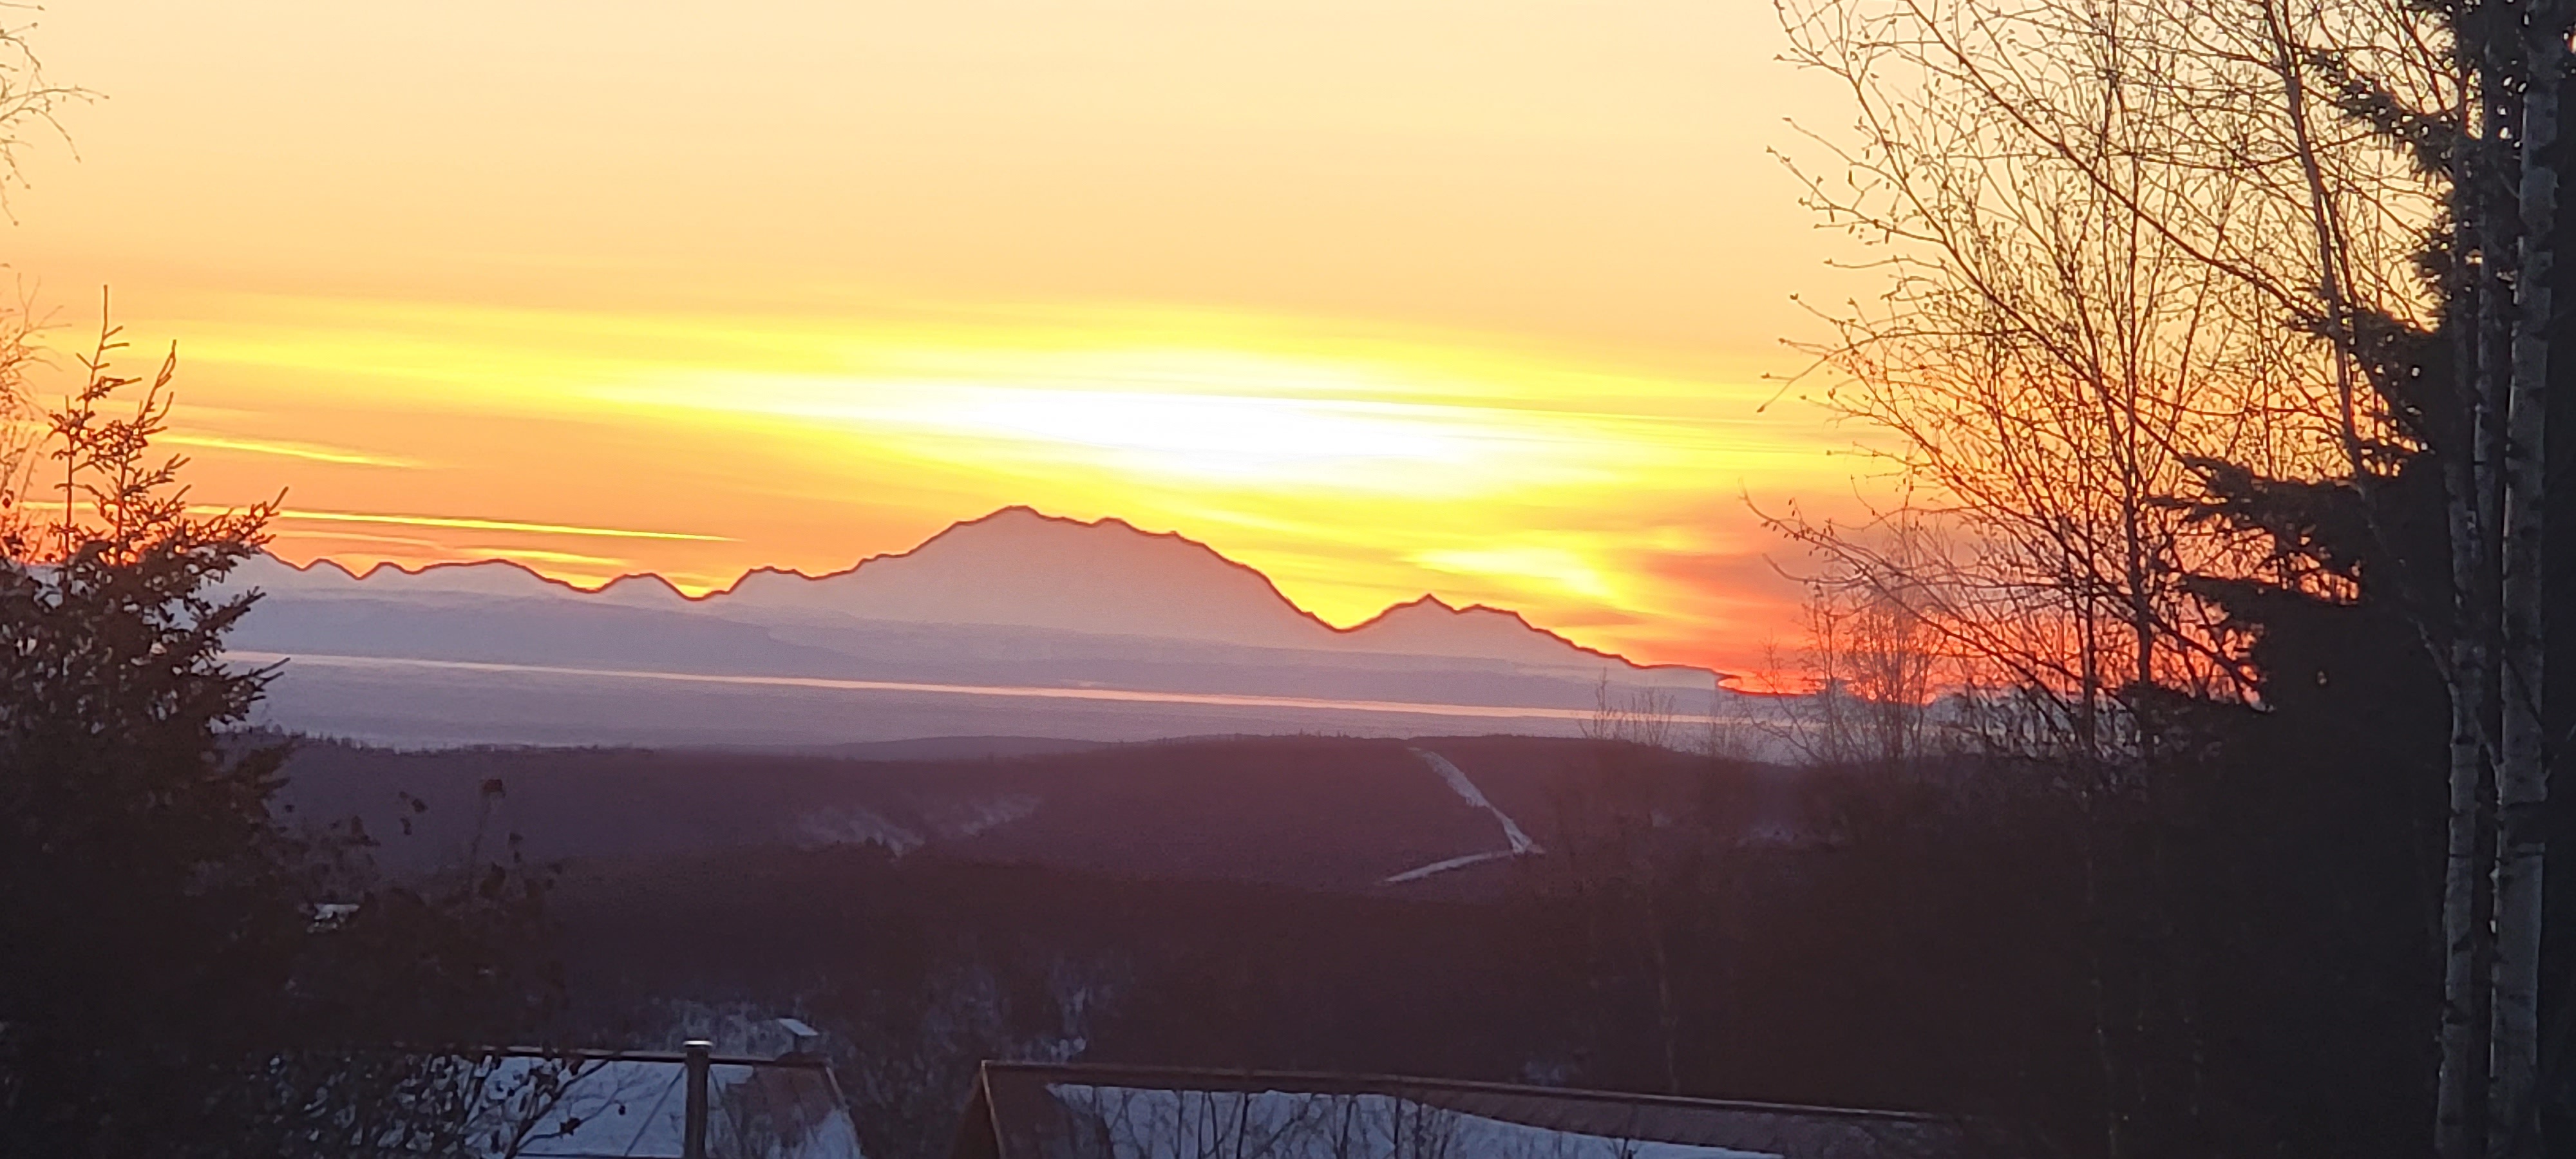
1872 665
2104 239
2142 255
2522 771
2140 252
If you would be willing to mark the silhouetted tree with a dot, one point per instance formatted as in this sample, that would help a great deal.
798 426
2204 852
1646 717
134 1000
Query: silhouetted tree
2170 344
2116 243
181 972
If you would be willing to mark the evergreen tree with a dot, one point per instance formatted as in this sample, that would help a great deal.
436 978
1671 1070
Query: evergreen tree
183 971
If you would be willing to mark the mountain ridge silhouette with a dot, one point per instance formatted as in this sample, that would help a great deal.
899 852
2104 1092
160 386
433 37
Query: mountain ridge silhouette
1426 625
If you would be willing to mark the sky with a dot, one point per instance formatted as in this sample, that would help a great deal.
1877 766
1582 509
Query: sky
1483 300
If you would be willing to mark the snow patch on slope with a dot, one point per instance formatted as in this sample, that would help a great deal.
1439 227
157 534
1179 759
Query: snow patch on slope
964 819
1440 867
1516 842
1467 791
856 826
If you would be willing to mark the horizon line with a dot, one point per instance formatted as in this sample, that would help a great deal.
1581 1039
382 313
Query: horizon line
1105 521
1006 691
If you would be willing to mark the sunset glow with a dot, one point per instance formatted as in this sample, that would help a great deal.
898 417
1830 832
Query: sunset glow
1482 302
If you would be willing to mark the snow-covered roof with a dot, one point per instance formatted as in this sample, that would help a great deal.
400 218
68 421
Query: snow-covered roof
586 1107
1033 1111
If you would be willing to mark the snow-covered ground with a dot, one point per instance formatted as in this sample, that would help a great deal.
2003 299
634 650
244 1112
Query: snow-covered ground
1516 843
1468 792
559 1109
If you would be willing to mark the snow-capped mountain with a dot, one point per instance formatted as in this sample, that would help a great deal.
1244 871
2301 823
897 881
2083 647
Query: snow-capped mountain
1019 568
1014 600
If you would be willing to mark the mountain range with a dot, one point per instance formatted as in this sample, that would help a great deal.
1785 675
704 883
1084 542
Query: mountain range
1017 623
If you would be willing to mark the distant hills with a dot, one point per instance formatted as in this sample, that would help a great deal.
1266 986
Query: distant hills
1351 815
1016 623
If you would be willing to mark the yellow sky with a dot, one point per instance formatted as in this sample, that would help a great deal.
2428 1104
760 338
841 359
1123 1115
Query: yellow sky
1380 297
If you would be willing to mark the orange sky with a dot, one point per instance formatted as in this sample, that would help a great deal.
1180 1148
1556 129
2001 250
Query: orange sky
1381 298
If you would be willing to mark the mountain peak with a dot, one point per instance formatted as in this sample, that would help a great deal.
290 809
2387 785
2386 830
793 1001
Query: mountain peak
485 577
1013 567
1422 606
642 589
1021 567
1429 625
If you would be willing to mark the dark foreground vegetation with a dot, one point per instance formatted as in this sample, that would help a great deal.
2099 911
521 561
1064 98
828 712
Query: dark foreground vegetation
2227 371
2237 962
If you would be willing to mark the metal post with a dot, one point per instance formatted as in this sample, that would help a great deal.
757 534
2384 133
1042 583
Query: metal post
693 1130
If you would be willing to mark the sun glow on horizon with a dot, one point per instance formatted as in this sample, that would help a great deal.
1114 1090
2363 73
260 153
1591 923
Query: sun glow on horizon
1478 303
1357 469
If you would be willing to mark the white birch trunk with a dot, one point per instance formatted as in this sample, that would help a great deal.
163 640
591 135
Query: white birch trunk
2466 935
2522 773
2485 220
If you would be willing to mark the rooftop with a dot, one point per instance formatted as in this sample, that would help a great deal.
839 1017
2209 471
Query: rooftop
1038 1111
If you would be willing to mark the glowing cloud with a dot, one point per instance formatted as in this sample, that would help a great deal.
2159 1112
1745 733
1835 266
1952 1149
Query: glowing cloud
467 524
1570 572
310 452
1358 466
